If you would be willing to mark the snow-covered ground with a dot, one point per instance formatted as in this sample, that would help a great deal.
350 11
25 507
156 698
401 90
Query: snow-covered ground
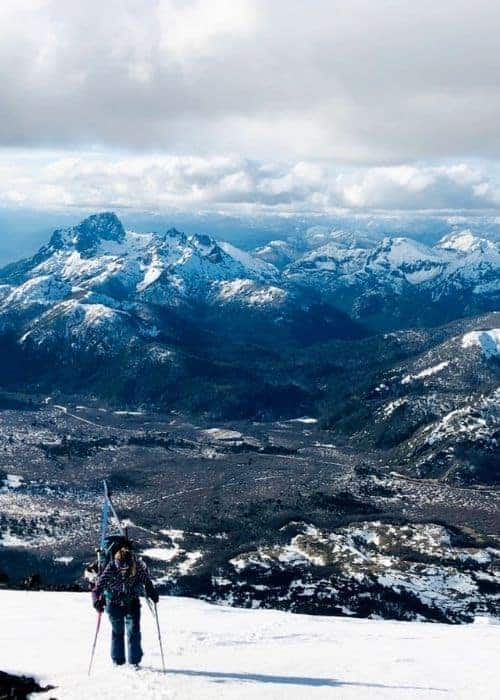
488 341
217 653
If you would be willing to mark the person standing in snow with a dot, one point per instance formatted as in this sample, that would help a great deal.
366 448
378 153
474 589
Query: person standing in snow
117 590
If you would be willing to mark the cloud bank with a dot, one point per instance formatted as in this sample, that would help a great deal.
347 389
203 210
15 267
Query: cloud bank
230 184
256 105
354 81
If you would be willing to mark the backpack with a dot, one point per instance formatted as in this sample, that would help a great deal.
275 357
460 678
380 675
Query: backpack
112 544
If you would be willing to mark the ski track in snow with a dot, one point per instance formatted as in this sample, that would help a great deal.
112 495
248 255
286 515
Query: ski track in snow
217 653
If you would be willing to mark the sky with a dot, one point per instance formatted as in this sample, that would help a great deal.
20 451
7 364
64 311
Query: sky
250 106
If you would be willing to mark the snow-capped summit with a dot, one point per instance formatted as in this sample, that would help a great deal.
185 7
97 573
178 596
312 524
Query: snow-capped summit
466 242
348 274
89 233
331 258
392 260
175 233
278 253
207 247
406 259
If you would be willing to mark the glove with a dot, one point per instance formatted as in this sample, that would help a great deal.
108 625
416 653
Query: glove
99 605
154 597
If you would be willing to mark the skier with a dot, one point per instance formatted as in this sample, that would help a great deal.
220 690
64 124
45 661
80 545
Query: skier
117 590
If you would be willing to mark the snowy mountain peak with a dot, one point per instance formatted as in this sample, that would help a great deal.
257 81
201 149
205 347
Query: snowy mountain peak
174 233
278 253
397 251
407 260
89 233
465 241
207 247
96 279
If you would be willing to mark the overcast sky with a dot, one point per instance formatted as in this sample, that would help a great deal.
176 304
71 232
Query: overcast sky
251 105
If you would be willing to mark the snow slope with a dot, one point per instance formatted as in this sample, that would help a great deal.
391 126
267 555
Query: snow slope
216 653
488 341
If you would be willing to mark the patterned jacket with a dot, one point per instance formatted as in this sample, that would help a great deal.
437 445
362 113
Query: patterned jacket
119 588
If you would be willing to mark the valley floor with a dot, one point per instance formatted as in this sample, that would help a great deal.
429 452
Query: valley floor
218 653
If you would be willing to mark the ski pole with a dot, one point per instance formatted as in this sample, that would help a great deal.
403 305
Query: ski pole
159 639
154 612
99 615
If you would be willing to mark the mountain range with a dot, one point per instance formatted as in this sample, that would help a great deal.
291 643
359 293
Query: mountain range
98 281
390 344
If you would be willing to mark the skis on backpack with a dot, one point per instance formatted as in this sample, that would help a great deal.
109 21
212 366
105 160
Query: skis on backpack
109 503
104 525
93 572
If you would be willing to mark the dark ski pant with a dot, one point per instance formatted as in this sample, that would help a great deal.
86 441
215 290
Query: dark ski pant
125 618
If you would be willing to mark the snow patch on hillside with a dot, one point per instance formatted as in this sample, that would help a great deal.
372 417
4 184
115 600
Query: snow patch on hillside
12 481
488 341
306 420
63 560
393 406
249 292
223 434
180 560
475 422
37 290
425 372
97 313
152 273
417 562
161 553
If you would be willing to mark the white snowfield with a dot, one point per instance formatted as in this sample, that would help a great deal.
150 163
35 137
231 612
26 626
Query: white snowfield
219 653
488 341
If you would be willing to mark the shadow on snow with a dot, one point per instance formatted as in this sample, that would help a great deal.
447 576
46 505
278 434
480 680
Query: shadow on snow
223 676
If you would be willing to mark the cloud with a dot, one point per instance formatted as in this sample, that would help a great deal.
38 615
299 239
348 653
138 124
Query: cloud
353 81
418 188
236 184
